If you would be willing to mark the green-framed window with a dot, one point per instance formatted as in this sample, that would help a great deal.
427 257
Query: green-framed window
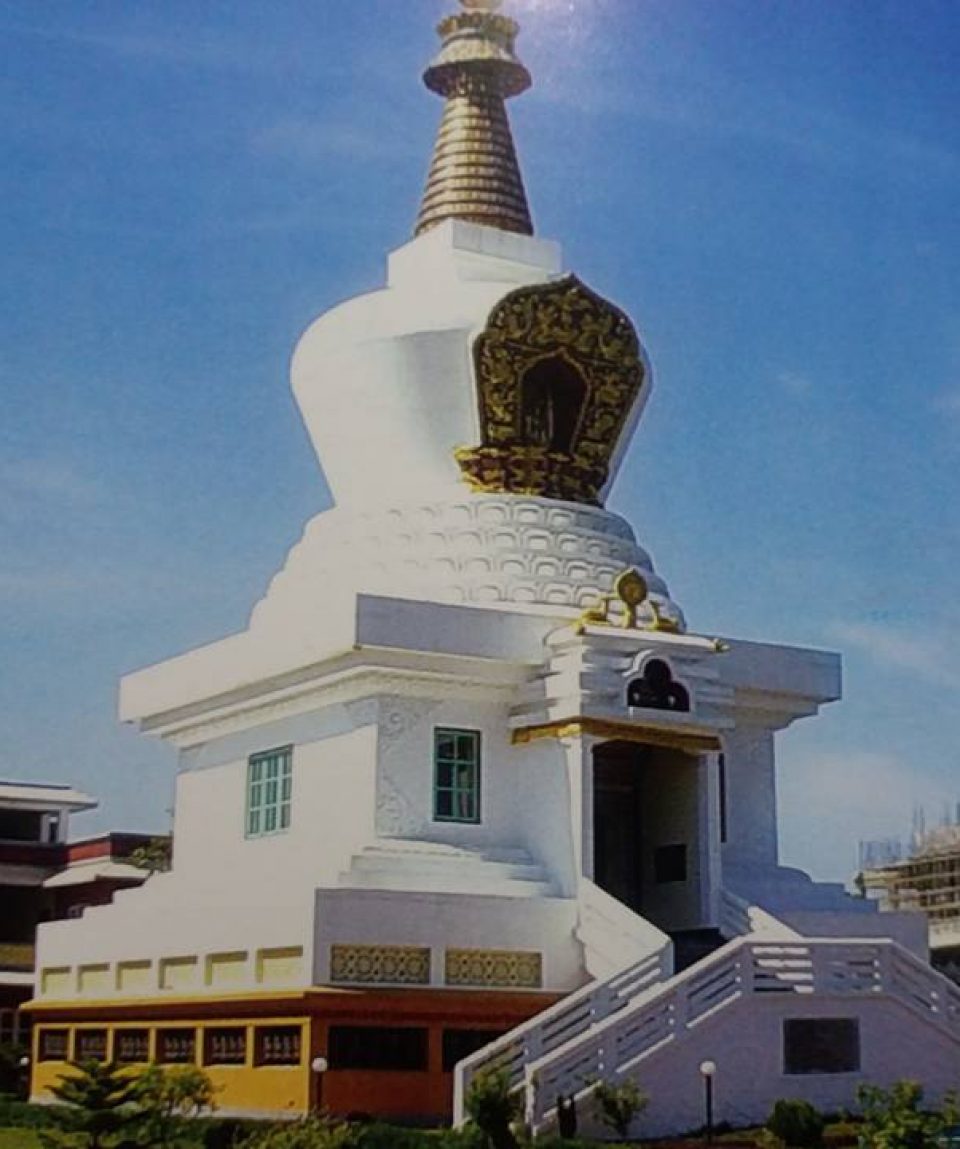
456 775
269 792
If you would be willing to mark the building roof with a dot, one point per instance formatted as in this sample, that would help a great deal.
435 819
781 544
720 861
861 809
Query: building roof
43 796
81 873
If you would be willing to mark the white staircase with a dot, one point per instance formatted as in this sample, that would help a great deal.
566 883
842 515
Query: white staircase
404 864
612 1028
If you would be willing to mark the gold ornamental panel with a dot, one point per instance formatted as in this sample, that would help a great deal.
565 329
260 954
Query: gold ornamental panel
380 965
509 969
556 439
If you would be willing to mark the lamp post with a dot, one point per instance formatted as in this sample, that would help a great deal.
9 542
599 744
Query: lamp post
707 1071
24 1084
318 1067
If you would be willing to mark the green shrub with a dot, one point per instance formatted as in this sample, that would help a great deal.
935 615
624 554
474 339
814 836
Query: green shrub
225 1132
492 1106
796 1123
376 1135
894 1118
619 1105
169 1100
16 1114
13 1078
312 1132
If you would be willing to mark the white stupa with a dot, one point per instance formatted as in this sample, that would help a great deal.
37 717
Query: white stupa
467 773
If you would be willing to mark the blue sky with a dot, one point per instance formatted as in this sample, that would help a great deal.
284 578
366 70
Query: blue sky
769 188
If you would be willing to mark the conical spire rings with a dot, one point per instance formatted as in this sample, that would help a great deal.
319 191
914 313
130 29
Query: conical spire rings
474 174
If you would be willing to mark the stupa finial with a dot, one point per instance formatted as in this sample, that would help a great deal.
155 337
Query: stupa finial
474 174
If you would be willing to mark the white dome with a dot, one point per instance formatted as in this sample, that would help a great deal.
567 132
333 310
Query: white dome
385 382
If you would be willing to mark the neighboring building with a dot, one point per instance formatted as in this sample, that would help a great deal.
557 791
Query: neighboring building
44 877
925 881
467 771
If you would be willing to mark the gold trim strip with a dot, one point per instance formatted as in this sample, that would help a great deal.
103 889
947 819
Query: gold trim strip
689 741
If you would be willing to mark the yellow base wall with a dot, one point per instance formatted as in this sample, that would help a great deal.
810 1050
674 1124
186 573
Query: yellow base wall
262 1090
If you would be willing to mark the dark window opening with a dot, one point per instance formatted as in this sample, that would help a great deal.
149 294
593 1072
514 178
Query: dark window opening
821 1045
552 394
277 1045
21 826
656 689
377 1047
91 1045
131 1046
722 783
54 1044
670 864
226 1046
460 1043
176 1046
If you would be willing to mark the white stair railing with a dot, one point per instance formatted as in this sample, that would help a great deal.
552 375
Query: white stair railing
568 1019
664 1014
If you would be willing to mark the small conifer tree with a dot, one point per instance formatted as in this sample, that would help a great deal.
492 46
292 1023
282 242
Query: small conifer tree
98 1101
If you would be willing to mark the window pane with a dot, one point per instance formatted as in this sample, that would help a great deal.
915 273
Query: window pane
465 807
176 1046
464 780
456 775
460 1043
445 774
227 1046
277 1045
444 804
131 1046
466 744
269 792
377 1047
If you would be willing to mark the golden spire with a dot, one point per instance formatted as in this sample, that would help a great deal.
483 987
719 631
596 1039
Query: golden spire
474 174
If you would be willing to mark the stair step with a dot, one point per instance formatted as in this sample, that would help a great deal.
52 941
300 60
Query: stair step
439 882
424 864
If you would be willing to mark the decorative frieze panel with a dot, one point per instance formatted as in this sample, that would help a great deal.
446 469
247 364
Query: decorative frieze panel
511 969
380 965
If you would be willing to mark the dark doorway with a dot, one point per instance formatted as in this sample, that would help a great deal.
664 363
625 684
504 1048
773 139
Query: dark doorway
617 822
552 394
647 846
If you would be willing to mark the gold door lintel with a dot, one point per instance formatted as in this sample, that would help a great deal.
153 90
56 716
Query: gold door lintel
690 741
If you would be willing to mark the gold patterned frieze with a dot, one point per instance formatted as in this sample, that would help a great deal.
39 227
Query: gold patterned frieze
555 439
510 969
380 965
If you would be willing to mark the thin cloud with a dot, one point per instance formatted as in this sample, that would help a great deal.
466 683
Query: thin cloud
795 383
928 655
207 51
313 141
845 798
732 111
53 482
948 403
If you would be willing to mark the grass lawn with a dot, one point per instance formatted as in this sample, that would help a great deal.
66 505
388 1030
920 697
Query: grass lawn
19 1139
